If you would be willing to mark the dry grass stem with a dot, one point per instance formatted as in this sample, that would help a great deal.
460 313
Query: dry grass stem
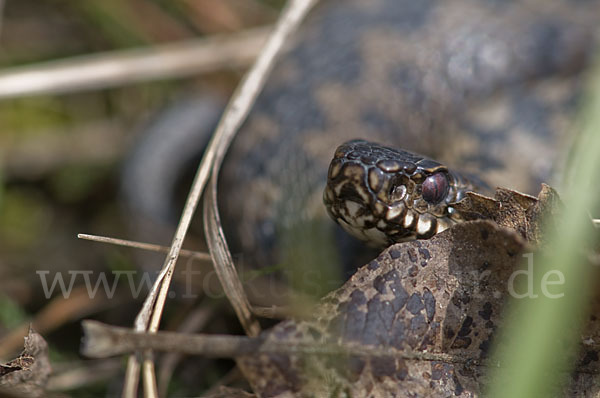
149 317
144 246
235 114
123 67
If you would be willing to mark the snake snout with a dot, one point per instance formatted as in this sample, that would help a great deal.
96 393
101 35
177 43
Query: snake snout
383 195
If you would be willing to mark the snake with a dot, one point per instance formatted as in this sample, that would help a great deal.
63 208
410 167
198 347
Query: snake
383 195
489 89
381 115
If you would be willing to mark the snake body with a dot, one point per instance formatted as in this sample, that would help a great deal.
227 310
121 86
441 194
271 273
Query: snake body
488 86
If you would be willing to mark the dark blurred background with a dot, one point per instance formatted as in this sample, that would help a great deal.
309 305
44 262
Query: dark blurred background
61 155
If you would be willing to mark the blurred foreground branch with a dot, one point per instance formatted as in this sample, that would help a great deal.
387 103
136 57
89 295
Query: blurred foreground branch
102 341
129 66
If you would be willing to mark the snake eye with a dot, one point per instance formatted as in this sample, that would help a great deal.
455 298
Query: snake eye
435 188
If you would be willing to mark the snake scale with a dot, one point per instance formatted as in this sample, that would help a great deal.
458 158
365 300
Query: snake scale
487 88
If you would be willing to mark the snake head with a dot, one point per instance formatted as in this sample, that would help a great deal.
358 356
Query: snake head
383 195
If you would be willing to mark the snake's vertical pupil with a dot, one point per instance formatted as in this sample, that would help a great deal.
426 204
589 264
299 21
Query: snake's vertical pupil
435 188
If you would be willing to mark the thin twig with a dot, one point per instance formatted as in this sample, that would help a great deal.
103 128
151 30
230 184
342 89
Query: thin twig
144 246
102 341
118 68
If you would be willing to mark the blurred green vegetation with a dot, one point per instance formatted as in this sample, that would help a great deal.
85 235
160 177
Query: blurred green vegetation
53 186
537 350
11 314
25 218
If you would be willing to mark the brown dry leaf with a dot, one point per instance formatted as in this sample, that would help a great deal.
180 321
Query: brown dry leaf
27 374
440 296
515 210
431 307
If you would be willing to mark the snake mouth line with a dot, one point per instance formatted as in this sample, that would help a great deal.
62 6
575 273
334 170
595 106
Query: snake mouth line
383 195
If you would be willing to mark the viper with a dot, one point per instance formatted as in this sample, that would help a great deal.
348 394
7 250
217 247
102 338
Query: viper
383 196
489 89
